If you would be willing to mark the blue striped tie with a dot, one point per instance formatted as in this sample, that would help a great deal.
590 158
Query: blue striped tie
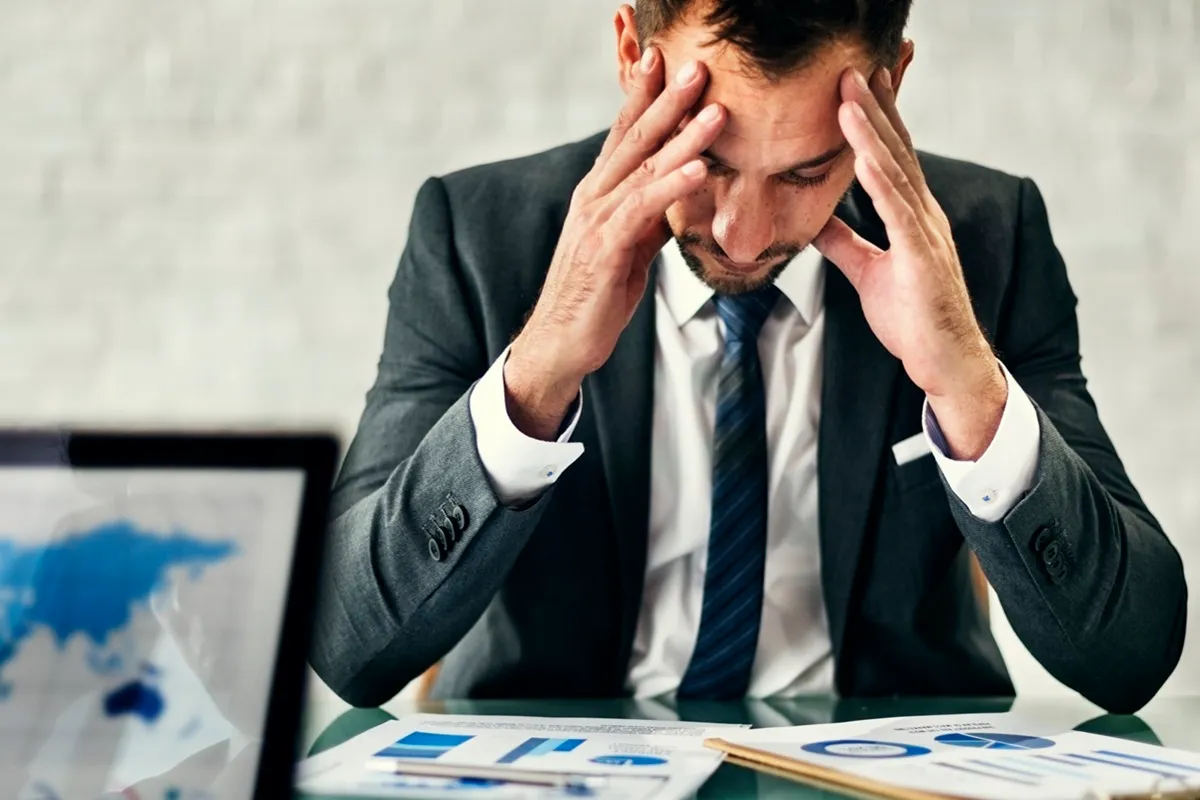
737 538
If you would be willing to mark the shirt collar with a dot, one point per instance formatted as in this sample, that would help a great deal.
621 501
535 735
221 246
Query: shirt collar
685 294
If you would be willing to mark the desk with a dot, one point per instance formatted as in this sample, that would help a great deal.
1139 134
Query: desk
1174 722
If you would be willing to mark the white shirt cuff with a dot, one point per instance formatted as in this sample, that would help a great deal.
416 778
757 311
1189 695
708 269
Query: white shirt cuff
519 467
992 486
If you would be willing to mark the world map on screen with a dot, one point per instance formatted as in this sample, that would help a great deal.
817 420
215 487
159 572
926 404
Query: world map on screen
90 584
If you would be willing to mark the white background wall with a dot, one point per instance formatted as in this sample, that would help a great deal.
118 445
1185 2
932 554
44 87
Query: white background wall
202 202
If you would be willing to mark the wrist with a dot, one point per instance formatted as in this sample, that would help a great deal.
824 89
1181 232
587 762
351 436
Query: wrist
977 378
970 415
536 395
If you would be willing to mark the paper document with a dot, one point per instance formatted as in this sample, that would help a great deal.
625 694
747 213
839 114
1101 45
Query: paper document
981 756
634 759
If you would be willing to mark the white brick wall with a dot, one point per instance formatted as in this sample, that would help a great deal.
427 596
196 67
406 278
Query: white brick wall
201 203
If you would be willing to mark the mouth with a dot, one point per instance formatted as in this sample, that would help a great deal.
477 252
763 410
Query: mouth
742 269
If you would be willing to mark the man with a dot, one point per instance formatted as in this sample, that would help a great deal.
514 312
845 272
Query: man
775 376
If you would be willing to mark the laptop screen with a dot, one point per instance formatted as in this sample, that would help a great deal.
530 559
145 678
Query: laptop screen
140 616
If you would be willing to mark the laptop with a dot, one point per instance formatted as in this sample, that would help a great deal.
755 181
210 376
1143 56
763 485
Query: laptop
156 600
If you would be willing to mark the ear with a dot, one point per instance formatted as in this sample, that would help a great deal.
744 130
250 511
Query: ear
906 56
629 50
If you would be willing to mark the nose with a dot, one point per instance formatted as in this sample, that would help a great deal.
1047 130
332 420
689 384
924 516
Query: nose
744 221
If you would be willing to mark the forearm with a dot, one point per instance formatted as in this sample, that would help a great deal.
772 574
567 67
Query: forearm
1093 587
390 610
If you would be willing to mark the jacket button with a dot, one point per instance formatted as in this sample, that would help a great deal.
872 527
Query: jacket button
436 534
1052 553
1042 538
458 515
435 550
448 530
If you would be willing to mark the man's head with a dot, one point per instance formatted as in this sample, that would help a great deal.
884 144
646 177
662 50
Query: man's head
781 164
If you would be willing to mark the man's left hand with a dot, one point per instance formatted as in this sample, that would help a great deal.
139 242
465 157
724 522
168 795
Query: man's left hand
913 295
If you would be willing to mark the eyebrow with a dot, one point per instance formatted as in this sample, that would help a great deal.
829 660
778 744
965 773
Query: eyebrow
811 163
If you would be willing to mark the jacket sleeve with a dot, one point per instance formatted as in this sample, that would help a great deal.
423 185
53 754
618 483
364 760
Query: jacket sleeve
418 542
1086 576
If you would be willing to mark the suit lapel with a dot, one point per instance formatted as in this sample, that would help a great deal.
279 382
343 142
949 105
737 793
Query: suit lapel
622 393
859 382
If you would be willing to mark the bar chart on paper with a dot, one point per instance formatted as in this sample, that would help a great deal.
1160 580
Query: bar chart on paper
420 744
533 752
494 756
533 747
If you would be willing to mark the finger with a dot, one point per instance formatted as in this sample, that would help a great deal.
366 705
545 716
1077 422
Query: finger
647 86
653 241
855 89
895 199
640 213
661 119
897 212
885 93
851 253
903 228
693 140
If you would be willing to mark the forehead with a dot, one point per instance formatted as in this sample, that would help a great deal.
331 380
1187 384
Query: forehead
799 109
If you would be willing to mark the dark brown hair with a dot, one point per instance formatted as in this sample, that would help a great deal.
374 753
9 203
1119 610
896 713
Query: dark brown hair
779 36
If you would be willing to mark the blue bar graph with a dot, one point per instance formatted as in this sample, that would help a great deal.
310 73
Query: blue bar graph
523 749
420 744
539 747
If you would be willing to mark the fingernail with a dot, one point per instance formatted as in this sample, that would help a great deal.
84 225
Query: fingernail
686 74
709 114
693 169
860 81
647 60
858 111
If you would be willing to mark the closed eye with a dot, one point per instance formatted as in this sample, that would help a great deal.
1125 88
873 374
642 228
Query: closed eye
716 169
804 181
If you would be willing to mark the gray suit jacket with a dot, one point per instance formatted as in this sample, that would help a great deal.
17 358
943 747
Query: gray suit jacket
425 564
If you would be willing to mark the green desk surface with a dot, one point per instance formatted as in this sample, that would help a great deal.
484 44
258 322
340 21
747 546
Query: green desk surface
1174 722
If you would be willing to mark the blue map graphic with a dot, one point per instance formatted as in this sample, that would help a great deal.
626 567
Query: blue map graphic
136 698
90 583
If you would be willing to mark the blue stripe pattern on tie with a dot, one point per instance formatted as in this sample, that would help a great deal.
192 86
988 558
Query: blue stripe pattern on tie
737 539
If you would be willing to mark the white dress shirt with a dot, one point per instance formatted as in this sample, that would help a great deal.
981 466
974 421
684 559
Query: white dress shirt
794 654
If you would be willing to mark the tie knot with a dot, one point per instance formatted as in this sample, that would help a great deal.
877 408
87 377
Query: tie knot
744 314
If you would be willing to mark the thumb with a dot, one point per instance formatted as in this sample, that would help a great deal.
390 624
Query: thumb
851 253
653 239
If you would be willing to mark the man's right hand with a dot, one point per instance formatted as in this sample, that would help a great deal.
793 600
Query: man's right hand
614 228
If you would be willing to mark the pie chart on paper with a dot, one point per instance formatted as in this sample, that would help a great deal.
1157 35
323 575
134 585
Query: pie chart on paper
994 741
629 761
